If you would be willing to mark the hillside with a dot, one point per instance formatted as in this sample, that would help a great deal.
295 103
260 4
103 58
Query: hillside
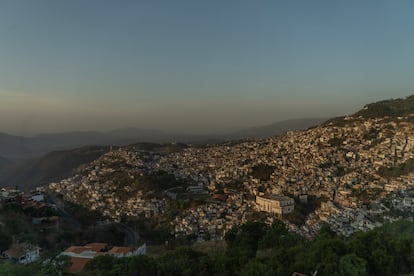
53 166
18 148
58 165
278 128
12 147
346 171
393 109
4 162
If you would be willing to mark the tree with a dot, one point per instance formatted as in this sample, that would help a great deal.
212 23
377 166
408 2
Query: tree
14 269
324 254
5 241
244 240
98 264
257 268
274 235
182 261
352 265
54 266
137 265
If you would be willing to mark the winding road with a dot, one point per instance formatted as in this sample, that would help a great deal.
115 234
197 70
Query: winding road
131 236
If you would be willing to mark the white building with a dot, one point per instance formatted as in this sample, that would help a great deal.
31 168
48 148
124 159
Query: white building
275 204
38 198
23 253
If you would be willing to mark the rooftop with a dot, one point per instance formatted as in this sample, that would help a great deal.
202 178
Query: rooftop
120 249
275 197
77 264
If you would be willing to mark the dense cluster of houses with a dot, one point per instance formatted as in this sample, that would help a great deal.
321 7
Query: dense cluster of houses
341 164
214 218
23 252
103 186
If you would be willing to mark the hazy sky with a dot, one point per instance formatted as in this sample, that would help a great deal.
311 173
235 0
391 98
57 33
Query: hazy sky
197 66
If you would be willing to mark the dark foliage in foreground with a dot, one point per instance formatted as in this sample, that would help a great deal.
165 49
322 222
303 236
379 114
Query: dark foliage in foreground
257 249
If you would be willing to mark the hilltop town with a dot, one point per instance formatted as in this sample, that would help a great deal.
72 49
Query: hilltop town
354 173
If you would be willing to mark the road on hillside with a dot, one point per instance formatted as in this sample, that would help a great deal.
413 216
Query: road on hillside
60 206
131 236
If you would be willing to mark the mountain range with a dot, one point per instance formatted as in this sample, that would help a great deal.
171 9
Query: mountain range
53 166
4 162
34 161
354 165
19 147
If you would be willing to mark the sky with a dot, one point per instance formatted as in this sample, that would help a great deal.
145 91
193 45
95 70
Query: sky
197 66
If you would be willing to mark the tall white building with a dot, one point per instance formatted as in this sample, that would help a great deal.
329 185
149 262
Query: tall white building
275 204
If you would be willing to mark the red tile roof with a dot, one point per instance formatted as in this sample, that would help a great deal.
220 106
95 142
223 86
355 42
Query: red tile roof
97 247
219 197
18 250
120 249
77 249
13 252
78 264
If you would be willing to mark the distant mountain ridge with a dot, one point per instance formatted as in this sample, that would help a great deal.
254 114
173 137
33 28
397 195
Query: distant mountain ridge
61 159
13 146
59 164
18 147
53 166
4 162
353 166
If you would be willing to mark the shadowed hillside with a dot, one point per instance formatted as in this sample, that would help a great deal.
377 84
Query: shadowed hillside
4 162
51 167
19 148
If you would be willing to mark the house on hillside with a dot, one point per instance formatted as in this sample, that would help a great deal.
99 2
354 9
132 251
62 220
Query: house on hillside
81 255
9 193
23 253
38 198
